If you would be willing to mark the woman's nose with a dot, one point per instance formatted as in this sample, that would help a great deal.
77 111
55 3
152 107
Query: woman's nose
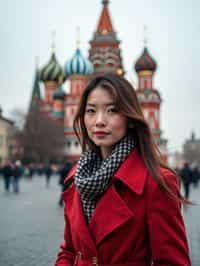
100 119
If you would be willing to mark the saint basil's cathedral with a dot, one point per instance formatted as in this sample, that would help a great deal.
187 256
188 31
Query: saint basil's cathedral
104 57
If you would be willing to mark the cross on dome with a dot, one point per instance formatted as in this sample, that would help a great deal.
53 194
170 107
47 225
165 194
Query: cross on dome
145 35
77 37
53 46
105 2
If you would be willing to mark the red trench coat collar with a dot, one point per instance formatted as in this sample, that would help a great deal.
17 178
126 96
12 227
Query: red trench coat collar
133 173
132 166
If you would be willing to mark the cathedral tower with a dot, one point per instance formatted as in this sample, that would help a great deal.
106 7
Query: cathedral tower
149 97
105 53
77 70
50 74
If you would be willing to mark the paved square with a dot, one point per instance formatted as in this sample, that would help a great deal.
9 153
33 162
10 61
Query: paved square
31 224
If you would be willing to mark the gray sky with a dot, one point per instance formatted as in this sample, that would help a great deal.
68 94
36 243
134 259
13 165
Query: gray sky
173 40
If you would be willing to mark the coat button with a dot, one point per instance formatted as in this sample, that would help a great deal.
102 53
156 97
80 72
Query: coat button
94 261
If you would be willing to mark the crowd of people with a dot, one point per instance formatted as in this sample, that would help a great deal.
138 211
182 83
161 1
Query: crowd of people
12 172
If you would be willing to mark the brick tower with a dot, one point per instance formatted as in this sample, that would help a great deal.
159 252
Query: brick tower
104 52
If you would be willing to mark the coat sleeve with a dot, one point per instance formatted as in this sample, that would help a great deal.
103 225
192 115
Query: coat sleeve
166 227
66 255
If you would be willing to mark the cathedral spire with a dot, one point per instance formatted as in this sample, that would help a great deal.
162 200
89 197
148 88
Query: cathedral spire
36 94
36 85
105 23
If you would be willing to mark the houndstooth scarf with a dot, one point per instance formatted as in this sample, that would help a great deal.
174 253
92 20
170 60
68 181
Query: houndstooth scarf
94 175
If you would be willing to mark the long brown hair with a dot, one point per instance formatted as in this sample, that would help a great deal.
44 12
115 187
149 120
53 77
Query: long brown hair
126 101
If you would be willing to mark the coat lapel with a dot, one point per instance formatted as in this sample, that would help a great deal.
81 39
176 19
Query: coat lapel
111 210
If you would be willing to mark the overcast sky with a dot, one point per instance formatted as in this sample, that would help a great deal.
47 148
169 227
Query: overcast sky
26 28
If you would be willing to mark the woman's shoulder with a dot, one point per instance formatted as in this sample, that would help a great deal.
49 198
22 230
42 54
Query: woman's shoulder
166 177
169 176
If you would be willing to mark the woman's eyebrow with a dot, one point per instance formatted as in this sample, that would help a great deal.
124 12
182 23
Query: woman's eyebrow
106 104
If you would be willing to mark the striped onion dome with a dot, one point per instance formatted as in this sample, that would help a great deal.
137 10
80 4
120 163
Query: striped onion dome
145 62
59 94
52 71
78 65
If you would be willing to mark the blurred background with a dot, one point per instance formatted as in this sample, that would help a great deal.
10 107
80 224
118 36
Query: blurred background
49 51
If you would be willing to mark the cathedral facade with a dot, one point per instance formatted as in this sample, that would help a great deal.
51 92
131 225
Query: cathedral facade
104 56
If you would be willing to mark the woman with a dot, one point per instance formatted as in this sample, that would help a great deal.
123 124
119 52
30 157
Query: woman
123 206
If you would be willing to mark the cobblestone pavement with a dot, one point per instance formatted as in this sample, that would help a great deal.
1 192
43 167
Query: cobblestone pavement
191 215
31 224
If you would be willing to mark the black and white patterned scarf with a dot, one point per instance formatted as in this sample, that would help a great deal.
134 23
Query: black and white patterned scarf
94 175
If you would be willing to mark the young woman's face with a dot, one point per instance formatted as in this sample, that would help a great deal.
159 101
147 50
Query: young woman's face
105 125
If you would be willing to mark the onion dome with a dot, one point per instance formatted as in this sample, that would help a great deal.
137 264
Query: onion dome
59 94
52 71
78 65
145 62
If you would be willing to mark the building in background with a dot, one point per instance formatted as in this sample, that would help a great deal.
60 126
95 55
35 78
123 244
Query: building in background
104 56
7 130
191 150
189 154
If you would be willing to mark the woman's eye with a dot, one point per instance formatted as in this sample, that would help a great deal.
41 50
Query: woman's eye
112 110
90 110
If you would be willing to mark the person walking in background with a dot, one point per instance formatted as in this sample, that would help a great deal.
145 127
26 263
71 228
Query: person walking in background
63 174
40 169
123 206
186 177
7 172
48 173
17 173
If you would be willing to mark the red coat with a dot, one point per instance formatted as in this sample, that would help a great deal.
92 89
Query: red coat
134 223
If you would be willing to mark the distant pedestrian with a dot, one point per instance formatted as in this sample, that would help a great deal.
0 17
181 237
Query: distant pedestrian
63 174
186 177
17 173
31 170
48 173
7 172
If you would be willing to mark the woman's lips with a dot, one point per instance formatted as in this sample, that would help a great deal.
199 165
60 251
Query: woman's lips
101 133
